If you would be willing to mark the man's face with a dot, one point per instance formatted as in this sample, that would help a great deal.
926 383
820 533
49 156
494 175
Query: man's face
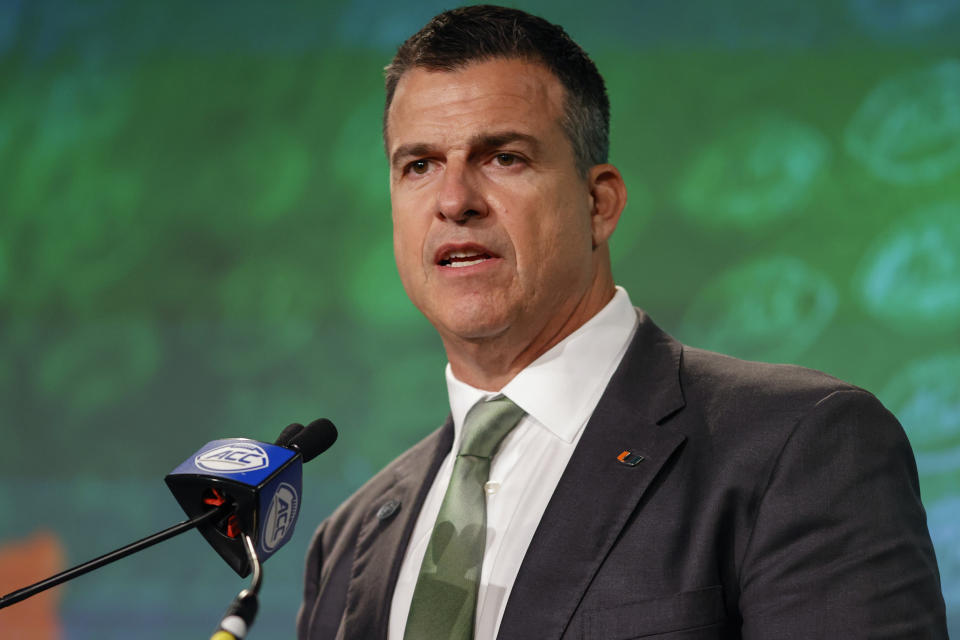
491 219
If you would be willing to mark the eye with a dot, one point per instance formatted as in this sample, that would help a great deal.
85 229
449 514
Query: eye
506 159
418 167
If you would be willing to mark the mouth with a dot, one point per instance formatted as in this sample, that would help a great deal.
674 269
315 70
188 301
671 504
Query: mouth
461 256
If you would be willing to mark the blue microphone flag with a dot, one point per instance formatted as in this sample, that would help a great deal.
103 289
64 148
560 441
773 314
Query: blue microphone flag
262 481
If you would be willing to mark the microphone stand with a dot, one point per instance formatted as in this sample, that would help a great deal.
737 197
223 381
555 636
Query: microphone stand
240 614
96 563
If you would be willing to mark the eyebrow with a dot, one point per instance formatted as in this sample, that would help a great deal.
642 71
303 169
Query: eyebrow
481 142
409 150
494 140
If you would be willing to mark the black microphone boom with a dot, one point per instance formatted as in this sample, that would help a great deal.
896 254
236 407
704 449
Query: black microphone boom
77 571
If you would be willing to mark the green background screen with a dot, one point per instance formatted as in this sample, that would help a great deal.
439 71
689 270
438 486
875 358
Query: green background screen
195 243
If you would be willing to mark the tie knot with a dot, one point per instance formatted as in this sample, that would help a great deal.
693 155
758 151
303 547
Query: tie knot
487 424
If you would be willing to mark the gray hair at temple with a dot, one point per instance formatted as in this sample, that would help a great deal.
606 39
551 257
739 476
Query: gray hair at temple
456 38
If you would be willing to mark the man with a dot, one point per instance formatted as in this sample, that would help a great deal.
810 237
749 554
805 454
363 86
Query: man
646 488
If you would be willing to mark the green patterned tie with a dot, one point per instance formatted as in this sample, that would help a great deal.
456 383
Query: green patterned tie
444 601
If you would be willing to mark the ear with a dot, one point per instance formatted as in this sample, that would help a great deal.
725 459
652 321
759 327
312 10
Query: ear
609 195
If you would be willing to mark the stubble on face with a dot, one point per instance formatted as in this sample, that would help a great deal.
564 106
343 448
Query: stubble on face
492 230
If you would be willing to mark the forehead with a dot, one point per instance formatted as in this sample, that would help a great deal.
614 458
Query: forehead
482 96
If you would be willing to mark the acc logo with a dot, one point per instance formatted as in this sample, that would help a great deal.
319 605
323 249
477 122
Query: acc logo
235 457
281 516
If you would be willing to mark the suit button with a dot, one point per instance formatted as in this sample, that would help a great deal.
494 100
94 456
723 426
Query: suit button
387 509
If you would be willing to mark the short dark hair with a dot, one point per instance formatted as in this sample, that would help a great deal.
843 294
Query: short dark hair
458 37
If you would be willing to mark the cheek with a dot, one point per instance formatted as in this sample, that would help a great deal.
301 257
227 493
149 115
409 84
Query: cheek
410 214
403 243
556 231
408 251
538 250
406 254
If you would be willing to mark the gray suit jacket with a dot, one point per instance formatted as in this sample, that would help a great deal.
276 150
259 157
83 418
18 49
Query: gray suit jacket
771 502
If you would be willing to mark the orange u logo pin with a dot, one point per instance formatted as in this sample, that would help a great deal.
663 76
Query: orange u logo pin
629 458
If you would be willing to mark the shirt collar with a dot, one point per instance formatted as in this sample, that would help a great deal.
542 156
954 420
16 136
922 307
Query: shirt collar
561 388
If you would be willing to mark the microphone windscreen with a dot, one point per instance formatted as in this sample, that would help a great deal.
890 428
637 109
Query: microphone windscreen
288 434
314 439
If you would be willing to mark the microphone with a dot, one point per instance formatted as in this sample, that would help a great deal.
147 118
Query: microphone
287 435
235 491
259 482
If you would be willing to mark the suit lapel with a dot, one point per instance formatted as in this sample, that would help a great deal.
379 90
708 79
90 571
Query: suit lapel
597 494
384 535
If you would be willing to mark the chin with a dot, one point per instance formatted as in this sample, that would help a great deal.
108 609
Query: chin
470 317
471 324
472 331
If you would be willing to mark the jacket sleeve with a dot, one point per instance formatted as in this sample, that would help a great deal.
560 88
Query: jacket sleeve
840 546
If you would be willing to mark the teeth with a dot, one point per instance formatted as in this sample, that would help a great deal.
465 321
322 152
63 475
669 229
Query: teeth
463 258
465 263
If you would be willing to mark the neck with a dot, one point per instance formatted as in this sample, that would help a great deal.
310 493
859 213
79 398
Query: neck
490 363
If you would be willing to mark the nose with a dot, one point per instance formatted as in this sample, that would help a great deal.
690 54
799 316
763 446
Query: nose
459 197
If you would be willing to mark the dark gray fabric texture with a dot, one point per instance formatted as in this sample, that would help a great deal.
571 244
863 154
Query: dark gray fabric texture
773 501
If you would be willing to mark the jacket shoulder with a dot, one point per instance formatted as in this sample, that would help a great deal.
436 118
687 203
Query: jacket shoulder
354 508
723 387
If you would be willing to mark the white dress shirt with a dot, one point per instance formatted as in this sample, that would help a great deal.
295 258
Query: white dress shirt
558 392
